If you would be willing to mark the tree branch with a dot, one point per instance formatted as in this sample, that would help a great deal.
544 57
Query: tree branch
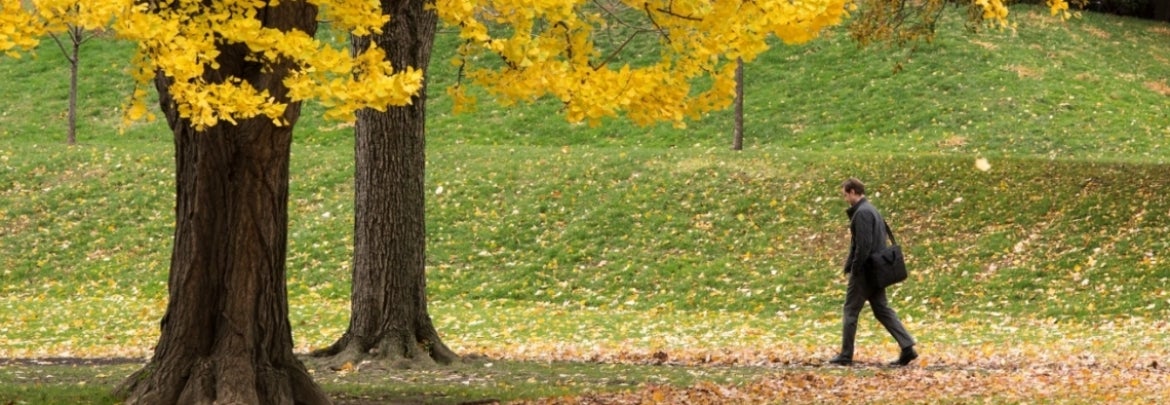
615 51
650 15
670 12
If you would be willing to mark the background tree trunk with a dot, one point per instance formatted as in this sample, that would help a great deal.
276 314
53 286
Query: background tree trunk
1162 10
737 143
226 337
76 35
389 318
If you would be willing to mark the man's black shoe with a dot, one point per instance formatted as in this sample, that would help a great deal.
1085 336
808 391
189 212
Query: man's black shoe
841 360
908 355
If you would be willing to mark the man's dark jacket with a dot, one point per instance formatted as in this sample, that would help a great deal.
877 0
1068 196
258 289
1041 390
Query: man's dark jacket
869 235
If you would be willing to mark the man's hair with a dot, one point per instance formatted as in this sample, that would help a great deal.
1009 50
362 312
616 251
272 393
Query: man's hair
853 185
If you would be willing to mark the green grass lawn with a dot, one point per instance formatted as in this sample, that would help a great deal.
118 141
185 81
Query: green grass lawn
560 249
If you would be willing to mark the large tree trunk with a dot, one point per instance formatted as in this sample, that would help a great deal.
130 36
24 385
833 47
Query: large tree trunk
226 337
389 319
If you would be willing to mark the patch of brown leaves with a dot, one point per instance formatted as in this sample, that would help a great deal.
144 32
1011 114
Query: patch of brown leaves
1050 384
986 45
1087 76
1159 87
1025 72
953 141
1097 32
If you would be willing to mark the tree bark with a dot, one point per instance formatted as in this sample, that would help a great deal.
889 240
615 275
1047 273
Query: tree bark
1162 10
225 337
737 143
389 319
76 37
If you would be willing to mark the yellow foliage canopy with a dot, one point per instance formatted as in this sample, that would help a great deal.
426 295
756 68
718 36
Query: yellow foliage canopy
518 49
525 49
550 48
18 29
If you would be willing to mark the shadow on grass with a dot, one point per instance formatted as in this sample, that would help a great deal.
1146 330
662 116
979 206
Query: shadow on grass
476 380
479 380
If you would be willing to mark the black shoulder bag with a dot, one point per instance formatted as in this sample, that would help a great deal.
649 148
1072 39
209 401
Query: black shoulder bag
887 266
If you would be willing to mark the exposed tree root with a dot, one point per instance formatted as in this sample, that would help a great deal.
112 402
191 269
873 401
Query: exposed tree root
220 380
392 351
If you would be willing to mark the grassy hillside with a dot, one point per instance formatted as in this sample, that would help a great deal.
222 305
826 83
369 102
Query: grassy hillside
1094 87
597 229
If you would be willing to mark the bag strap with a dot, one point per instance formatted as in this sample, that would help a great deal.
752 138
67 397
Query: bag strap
889 232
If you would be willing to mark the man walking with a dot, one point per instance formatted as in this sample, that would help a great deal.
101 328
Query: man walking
868 235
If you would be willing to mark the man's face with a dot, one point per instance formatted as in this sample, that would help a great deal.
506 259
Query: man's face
850 197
